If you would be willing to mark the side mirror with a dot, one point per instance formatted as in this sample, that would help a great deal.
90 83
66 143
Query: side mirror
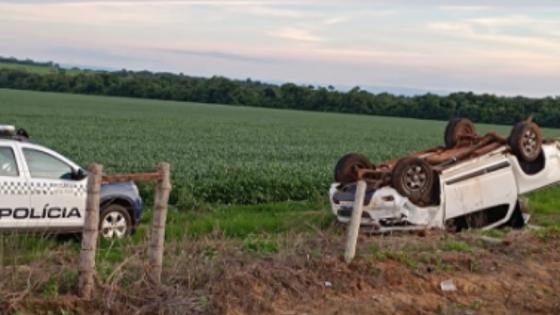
78 174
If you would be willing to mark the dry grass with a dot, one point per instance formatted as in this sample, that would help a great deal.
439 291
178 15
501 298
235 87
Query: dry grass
304 274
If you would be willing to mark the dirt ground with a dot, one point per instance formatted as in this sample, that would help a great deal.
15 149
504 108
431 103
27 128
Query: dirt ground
402 275
517 273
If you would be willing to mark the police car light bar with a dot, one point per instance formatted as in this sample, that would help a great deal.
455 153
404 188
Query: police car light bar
10 132
7 131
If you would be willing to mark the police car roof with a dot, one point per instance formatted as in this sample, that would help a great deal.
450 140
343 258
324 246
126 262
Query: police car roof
14 138
9 132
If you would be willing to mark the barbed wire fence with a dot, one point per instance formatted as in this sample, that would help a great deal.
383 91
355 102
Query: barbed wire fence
13 242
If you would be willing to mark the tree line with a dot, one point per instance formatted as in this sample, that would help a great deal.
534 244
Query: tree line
486 108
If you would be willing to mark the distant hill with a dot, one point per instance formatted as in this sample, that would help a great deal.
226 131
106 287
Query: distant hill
47 67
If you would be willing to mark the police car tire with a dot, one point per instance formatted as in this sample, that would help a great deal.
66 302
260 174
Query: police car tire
122 211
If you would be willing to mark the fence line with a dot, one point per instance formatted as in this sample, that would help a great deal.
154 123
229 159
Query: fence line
90 232
157 238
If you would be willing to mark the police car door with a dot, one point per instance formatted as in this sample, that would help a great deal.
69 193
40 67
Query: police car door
14 189
57 201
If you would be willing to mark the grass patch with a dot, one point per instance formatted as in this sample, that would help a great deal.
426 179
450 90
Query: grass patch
23 248
435 262
260 244
457 246
377 252
243 221
546 201
402 257
547 233
544 207
256 225
495 233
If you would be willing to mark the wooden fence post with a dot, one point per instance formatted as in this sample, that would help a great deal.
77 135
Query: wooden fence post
90 231
157 238
354 226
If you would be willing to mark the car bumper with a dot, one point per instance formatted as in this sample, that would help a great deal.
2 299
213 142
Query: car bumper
137 206
384 210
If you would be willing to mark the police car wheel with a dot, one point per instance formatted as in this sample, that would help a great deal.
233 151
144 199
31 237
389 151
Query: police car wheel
115 222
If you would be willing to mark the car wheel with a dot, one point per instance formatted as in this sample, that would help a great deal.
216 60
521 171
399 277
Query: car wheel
457 129
526 140
346 170
414 178
115 222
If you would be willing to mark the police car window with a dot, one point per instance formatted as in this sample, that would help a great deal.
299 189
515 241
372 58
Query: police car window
8 166
43 165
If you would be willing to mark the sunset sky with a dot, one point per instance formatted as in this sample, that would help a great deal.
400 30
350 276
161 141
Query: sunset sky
502 47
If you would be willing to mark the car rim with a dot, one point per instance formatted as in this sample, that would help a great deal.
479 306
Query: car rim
529 143
113 225
415 178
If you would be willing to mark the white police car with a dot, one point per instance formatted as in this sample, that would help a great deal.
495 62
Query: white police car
41 190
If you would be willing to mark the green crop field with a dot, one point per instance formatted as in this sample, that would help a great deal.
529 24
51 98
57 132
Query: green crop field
226 154
31 68
222 154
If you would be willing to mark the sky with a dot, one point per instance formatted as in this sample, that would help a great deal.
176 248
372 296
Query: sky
493 46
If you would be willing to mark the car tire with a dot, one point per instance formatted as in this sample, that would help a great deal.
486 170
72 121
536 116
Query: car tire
346 170
414 178
114 222
525 141
456 129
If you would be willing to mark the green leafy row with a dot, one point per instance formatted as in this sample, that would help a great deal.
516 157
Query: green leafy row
222 154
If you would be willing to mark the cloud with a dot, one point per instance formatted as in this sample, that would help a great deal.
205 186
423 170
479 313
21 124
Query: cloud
451 28
296 34
134 2
465 8
537 26
497 21
218 55
503 31
336 20
266 11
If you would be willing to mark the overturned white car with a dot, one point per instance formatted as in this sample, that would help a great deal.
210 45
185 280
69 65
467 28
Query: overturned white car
472 182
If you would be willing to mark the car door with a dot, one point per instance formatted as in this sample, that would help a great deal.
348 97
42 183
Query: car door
58 201
14 189
487 186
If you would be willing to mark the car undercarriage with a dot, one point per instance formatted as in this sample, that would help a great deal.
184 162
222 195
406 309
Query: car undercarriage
471 182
